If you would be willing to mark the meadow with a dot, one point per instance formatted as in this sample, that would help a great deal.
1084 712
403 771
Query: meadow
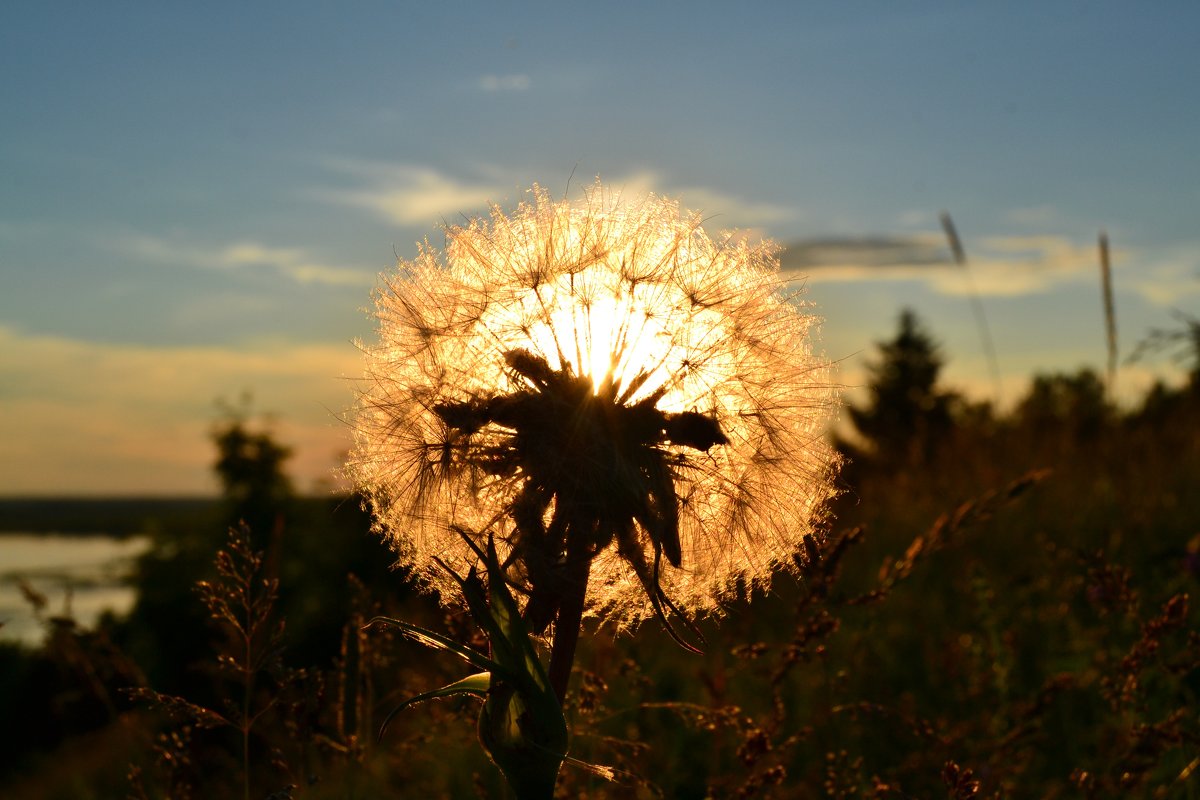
999 608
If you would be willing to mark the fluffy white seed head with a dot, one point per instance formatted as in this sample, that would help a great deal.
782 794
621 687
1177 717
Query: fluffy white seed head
637 298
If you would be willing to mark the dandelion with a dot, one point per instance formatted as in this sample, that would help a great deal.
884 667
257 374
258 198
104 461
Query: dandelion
629 409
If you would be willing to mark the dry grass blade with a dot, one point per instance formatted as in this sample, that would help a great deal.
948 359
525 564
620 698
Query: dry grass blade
1110 314
985 333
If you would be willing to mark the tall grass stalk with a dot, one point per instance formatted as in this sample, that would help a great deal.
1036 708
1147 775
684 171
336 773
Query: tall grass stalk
1110 314
985 333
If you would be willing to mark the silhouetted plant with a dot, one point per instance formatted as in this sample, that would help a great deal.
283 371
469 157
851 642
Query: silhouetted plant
241 604
1182 344
603 410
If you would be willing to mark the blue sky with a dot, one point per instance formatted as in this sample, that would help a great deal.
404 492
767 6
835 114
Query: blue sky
195 199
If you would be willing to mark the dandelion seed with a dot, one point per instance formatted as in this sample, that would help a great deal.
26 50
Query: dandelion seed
620 401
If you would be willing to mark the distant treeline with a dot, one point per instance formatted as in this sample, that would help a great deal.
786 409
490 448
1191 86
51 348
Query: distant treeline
124 516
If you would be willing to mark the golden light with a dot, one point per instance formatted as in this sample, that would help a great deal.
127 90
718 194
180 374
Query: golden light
706 425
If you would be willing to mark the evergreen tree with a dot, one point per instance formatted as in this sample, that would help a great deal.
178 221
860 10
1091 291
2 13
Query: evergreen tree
907 416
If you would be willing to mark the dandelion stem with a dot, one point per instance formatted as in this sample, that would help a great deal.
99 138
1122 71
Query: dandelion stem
570 617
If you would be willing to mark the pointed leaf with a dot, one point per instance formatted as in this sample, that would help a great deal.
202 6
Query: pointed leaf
439 642
519 656
485 614
476 685
475 595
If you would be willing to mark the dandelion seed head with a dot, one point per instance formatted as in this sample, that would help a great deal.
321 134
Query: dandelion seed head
628 308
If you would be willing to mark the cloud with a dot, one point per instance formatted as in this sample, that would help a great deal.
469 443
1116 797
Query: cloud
1164 276
866 252
88 417
406 194
721 209
1018 265
411 195
504 83
999 266
294 263
290 262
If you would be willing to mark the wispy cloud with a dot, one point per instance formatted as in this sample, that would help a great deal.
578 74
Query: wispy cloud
1000 266
290 262
94 417
866 252
518 82
411 195
1167 276
722 209
407 194
1017 265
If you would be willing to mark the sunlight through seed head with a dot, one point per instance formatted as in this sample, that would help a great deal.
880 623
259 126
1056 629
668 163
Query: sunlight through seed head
704 437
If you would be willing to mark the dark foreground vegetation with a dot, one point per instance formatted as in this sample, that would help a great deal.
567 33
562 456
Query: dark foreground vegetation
1002 608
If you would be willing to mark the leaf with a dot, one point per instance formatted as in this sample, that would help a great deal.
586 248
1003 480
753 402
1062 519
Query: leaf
485 616
507 618
439 642
477 685
521 725
525 742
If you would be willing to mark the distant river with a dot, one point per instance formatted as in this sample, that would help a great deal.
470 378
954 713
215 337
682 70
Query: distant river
82 575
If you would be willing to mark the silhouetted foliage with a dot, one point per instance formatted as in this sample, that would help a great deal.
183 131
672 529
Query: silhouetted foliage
250 467
1182 344
1065 411
256 492
907 417
1166 407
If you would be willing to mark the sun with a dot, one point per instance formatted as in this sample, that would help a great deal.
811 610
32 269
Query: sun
627 338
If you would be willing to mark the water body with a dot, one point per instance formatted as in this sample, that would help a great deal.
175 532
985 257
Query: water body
80 575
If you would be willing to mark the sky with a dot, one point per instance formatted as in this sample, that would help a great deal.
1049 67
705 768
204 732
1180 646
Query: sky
196 200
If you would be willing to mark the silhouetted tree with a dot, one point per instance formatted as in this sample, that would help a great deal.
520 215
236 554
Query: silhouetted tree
250 467
908 416
1062 406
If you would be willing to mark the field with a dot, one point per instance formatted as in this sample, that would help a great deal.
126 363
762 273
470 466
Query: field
1000 608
